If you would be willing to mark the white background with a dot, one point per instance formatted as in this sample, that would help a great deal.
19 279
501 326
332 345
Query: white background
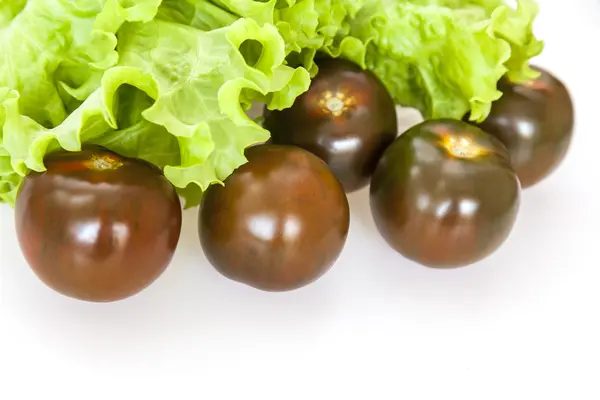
522 324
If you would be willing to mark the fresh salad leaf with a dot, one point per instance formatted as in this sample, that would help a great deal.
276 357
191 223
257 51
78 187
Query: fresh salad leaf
54 53
205 85
55 50
307 26
445 57
9 179
170 81
177 98
201 14
514 26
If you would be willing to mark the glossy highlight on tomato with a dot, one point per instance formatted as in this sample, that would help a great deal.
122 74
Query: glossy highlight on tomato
535 122
444 194
278 223
346 117
96 226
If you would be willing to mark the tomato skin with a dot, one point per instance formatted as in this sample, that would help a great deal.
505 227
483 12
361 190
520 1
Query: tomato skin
443 208
96 226
279 222
535 121
349 138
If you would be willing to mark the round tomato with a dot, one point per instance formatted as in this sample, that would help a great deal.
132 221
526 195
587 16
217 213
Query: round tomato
444 194
535 121
278 223
96 226
346 117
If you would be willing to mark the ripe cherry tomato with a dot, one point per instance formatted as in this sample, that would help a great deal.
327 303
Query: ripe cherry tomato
444 194
279 222
535 121
96 226
346 117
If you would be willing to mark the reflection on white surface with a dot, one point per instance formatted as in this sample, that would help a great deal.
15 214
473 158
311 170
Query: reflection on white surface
415 172
291 227
422 202
526 128
120 233
262 227
266 227
443 208
87 232
346 145
465 206
80 199
468 206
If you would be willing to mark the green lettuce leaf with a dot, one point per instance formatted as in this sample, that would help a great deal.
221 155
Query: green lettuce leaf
201 14
9 179
514 26
54 51
306 26
445 57
170 81
205 85
177 98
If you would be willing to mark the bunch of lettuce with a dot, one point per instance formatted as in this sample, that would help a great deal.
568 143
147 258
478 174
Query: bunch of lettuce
171 81
443 57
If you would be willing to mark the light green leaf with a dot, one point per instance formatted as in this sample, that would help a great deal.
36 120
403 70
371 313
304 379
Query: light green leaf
177 98
445 57
54 51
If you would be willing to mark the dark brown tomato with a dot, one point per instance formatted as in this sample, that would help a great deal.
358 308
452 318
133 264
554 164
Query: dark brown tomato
279 222
444 194
535 121
97 226
346 117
